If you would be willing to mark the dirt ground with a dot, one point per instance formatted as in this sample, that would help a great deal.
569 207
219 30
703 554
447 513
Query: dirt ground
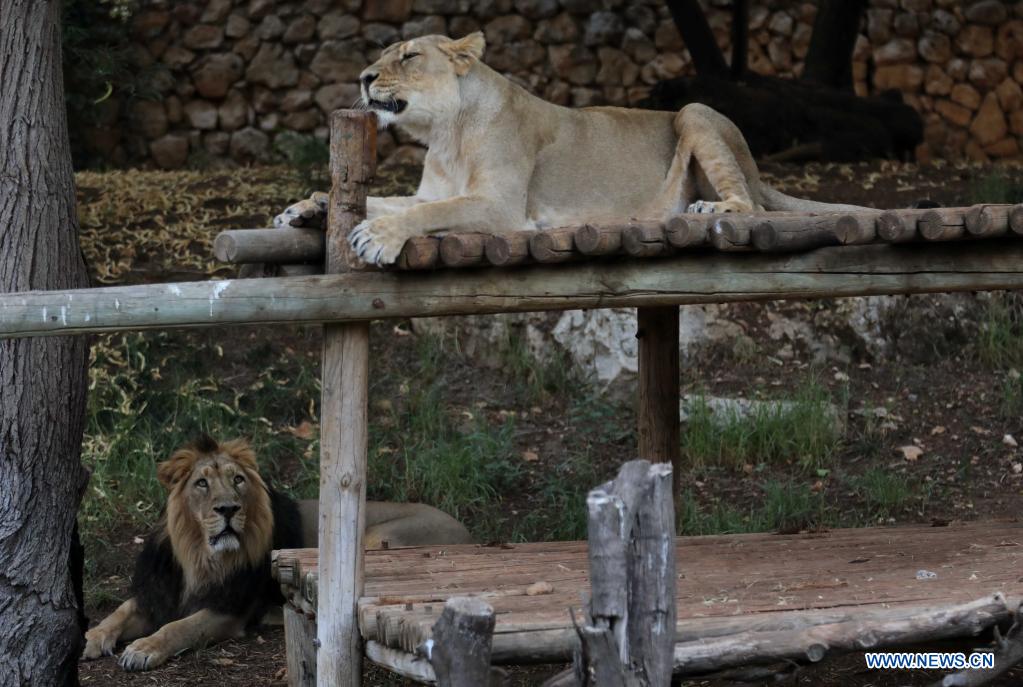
936 395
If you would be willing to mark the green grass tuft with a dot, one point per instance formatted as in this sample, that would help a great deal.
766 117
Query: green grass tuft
885 492
1000 343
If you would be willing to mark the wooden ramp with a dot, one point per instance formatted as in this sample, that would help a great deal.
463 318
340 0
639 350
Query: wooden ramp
764 589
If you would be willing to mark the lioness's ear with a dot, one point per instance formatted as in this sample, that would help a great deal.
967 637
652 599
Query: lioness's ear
465 51
175 468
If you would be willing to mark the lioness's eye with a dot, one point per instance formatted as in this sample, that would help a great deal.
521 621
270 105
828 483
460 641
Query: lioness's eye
202 483
238 479
409 56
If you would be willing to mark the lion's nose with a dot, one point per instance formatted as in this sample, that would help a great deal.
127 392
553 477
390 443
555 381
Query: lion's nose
227 511
369 78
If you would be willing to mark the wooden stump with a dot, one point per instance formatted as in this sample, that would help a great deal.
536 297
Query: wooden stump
461 643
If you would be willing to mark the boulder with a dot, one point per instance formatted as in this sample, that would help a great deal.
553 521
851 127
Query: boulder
273 66
298 99
338 61
216 11
380 34
237 26
249 145
216 73
895 51
149 118
966 95
603 28
390 11
537 9
336 96
935 47
781 23
945 22
986 74
234 112
304 120
170 151
976 40
149 24
956 114
1009 40
441 6
337 25
989 125
1010 96
990 12
216 143
424 26
573 63
936 81
1007 147
505 29
177 57
201 114
616 69
203 37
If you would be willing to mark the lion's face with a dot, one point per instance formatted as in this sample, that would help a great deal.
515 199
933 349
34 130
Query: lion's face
415 82
218 508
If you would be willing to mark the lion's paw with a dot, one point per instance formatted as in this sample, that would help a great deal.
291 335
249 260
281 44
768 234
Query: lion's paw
98 643
378 241
311 212
707 207
143 654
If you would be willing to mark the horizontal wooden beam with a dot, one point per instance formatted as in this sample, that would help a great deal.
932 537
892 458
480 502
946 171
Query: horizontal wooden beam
839 271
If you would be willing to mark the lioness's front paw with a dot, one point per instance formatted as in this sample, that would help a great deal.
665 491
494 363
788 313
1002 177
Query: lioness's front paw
718 206
703 207
98 643
143 654
378 241
311 212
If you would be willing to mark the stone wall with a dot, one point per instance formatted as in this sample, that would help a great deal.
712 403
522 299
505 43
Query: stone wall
235 74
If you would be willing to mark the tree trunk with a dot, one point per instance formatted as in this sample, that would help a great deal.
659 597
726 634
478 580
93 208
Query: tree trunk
699 39
829 59
42 381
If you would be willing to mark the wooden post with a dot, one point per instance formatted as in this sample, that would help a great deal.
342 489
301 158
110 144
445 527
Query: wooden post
299 638
462 642
343 417
659 438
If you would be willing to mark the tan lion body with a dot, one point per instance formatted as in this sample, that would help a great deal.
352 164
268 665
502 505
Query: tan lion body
500 158
217 521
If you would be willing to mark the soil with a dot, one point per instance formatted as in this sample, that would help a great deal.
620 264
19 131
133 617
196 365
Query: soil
939 398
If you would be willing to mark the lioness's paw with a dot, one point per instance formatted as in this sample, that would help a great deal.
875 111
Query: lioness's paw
98 643
143 654
378 241
311 212
711 207
703 207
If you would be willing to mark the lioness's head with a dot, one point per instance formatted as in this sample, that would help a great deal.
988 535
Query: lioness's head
415 81
218 514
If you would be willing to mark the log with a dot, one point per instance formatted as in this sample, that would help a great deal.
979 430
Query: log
1008 653
508 248
898 226
408 666
794 233
461 644
733 234
552 245
1016 219
300 641
942 224
283 245
591 239
344 432
462 250
420 253
988 220
833 272
683 232
645 239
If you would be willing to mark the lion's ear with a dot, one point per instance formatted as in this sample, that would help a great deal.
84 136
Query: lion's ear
464 51
175 468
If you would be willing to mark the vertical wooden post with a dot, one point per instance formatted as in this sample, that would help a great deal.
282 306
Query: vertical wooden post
343 417
461 644
658 412
299 635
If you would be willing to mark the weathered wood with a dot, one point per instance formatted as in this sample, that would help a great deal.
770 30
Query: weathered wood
300 643
942 224
282 245
733 234
592 239
790 232
552 245
298 270
462 250
683 232
1016 219
508 248
406 665
344 431
658 388
898 227
419 253
832 272
1008 653
461 645
988 220
645 239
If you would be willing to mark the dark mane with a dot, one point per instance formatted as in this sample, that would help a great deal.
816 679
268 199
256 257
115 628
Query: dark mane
204 443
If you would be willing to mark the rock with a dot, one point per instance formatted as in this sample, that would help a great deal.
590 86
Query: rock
989 125
233 113
957 69
216 143
781 23
216 11
945 22
1007 147
247 47
667 37
895 51
424 26
988 73
270 122
149 118
270 28
149 24
298 99
976 40
462 25
172 104
510 27
487 9
901 77
975 152
577 6
990 12
203 37
390 11
273 67
560 29
177 57
201 114
216 74
937 82
616 69
301 29
641 17
1017 72
916 5
801 40
249 145
558 92
336 96
380 34
664 66
185 13
603 28
638 47
260 8
1010 96
966 95
1016 122
957 114
758 15
517 56
441 6
170 151
935 47
304 120
337 25
237 26
907 25
338 61
780 54
602 343
573 63
1009 41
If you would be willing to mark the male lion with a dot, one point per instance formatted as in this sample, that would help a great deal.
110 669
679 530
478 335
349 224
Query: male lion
204 574
500 158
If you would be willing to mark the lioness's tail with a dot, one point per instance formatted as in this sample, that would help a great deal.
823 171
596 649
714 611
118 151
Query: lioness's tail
772 199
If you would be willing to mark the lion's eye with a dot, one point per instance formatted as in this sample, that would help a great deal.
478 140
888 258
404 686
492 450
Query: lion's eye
202 483
238 479
409 56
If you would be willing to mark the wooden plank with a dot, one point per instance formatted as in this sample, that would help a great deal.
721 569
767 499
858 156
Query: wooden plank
344 431
299 638
840 271
659 428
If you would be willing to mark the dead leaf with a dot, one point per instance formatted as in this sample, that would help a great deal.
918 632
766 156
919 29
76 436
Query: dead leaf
937 429
305 430
980 430
539 588
1010 441
911 452
530 456
222 661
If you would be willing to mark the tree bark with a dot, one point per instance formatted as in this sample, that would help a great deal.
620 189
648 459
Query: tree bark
42 381
829 59
699 39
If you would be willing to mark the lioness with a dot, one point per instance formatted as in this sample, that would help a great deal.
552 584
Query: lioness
203 575
500 158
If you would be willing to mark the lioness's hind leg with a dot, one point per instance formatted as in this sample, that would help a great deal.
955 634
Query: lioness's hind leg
126 623
721 163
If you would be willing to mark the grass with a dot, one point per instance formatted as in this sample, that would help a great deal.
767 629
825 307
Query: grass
885 492
1000 340
784 507
1002 185
803 432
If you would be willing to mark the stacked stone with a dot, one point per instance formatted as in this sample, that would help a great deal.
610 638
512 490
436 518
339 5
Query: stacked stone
238 73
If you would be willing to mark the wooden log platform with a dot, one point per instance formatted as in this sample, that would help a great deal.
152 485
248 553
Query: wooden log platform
761 594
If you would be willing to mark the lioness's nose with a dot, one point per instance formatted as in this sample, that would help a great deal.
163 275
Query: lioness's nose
368 78
227 511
